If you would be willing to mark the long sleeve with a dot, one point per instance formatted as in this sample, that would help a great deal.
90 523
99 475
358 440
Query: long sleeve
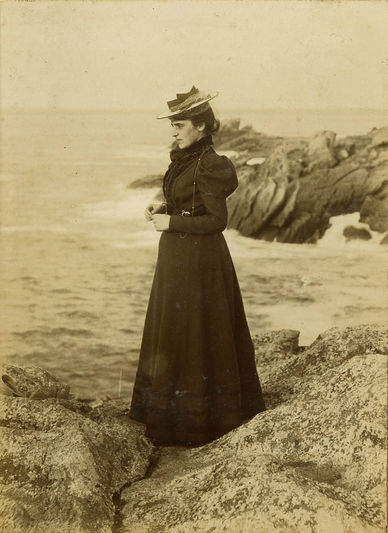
160 199
216 180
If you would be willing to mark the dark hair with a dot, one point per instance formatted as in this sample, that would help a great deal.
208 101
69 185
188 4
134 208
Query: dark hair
201 116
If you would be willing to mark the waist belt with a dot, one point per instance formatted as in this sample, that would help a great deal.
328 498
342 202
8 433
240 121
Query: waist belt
186 213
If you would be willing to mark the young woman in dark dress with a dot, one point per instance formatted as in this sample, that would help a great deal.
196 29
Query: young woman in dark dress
196 378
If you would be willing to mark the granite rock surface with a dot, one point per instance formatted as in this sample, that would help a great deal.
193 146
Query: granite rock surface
314 461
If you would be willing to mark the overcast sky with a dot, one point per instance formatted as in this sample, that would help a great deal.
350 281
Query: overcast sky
138 54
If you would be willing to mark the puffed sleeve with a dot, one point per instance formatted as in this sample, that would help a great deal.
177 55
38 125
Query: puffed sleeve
216 180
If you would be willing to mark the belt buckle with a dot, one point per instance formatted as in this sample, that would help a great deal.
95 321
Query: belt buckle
185 213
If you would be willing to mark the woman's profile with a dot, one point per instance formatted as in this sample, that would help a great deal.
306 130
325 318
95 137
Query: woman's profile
196 378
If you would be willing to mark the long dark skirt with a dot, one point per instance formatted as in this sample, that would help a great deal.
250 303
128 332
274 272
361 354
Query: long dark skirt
196 378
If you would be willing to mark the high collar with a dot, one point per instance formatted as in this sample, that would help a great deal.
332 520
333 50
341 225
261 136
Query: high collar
198 146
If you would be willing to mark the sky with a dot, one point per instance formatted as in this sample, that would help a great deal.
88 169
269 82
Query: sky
137 55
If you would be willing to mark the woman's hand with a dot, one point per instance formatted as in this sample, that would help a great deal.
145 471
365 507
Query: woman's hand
160 222
150 210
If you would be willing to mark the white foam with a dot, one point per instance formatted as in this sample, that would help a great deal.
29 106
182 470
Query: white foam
334 238
130 206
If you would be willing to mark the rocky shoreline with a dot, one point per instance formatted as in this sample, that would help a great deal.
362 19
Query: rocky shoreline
290 187
313 462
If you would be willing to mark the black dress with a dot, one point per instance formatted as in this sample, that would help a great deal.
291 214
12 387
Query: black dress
196 378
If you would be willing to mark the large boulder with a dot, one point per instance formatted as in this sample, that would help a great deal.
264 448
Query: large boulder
63 462
314 461
32 382
352 233
321 149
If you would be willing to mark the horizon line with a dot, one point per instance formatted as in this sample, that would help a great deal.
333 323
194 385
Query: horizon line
157 109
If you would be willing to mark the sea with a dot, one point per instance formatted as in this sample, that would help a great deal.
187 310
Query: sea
78 257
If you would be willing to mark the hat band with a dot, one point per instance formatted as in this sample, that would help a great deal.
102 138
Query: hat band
193 112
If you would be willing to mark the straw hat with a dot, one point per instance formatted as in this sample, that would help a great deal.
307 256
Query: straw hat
188 101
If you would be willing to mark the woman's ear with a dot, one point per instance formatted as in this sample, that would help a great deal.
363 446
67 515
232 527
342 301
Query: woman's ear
201 127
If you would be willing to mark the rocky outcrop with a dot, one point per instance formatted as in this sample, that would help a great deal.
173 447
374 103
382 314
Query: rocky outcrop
293 194
313 462
63 462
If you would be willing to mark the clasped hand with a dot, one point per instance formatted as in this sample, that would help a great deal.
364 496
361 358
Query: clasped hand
161 222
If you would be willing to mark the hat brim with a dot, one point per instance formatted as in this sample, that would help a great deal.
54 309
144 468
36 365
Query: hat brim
169 114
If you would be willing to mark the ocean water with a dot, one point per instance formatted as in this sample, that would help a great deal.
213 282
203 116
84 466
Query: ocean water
77 256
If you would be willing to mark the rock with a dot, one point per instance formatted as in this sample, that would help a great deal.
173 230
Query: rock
314 461
321 149
275 351
246 139
341 154
291 197
352 233
62 462
373 153
374 209
232 154
255 161
32 382
284 199
147 182
380 137
330 192
263 194
384 240
281 218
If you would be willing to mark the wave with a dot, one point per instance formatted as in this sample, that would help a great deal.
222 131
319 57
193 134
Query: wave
22 229
334 237
31 334
131 204
130 207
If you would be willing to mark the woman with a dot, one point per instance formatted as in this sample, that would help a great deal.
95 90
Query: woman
196 378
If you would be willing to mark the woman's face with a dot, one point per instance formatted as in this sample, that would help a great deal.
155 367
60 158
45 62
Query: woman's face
185 133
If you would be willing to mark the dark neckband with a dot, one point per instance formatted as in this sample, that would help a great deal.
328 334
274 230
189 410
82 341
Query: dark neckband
198 145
